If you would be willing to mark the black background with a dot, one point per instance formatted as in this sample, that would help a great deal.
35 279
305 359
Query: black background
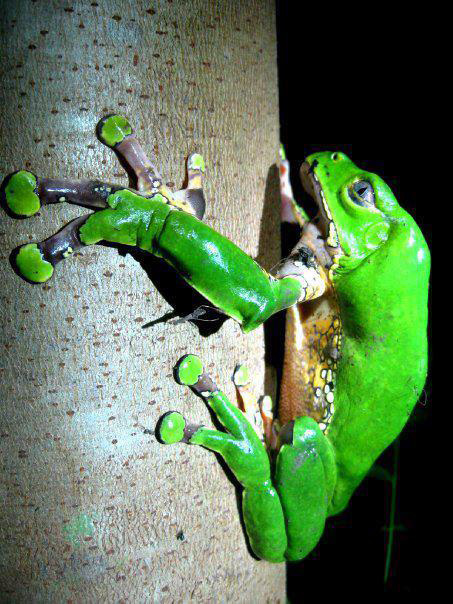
350 559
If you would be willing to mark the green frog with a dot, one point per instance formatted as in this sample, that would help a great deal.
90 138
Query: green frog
355 288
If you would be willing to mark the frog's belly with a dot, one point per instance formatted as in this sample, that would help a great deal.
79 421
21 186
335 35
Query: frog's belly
312 345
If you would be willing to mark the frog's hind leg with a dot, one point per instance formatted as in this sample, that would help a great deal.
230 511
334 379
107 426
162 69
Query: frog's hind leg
243 452
116 132
305 476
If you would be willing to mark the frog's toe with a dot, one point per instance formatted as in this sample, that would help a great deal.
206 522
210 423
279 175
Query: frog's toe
21 193
113 129
241 375
171 428
195 163
188 370
31 264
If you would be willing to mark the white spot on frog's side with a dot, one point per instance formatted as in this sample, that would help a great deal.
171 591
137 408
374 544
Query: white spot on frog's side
411 239
421 255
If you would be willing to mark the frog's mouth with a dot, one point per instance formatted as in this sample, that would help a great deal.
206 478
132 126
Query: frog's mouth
320 232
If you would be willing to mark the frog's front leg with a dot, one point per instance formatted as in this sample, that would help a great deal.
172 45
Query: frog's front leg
231 280
284 517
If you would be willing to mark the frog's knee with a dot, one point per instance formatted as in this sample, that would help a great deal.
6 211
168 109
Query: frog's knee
21 193
113 129
32 265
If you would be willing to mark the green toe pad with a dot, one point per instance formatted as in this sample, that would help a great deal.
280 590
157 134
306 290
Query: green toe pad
20 193
241 375
188 370
113 130
171 429
31 264
196 162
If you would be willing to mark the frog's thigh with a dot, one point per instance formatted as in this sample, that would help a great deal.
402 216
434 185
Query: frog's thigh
302 485
110 225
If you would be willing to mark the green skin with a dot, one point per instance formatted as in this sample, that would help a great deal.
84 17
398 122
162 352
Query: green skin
381 284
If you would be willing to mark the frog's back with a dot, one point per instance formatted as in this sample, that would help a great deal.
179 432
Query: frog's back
383 363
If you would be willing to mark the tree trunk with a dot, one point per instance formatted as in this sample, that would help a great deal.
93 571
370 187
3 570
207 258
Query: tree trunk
95 509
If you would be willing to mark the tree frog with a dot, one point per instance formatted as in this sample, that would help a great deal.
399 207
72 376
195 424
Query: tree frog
355 287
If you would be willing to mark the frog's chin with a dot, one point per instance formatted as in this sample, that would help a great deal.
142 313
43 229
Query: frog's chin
321 230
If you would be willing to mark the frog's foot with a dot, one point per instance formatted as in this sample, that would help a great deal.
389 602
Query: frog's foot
35 262
290 211
116 132
258 411
239 445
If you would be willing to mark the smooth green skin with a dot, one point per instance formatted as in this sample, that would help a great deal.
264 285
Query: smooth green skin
20 194
171 429
32 265
208 261
113 130
382 289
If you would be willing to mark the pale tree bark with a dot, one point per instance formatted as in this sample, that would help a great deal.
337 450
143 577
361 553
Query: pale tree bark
94 509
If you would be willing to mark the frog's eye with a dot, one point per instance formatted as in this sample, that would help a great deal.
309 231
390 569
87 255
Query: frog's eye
362 193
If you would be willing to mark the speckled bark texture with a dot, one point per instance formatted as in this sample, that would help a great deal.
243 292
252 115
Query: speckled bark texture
94 509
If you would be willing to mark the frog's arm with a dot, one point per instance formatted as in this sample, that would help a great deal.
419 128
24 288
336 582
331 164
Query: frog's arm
165 224
290 210
285 515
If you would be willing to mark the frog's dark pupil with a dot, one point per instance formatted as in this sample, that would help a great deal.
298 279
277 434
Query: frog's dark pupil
361 193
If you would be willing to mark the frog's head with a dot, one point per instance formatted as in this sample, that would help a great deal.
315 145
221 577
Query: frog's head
357 208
